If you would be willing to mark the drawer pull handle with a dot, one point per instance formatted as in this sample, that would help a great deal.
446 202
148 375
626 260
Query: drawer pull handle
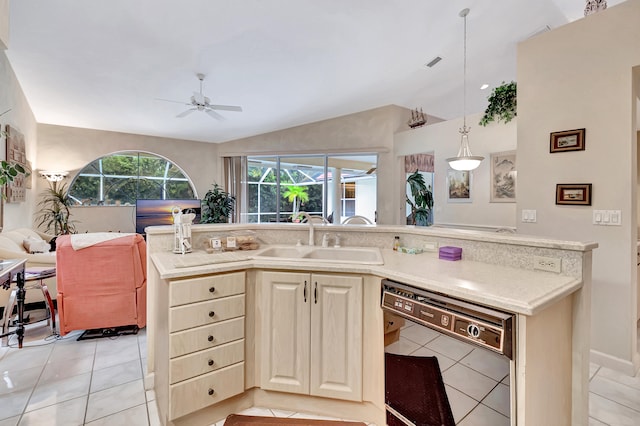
211 391
210 362
211 314
212 289
210 338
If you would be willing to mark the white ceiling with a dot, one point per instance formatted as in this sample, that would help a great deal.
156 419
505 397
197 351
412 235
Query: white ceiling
101 64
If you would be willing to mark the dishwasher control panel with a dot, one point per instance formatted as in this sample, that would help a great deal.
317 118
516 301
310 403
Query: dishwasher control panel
473 323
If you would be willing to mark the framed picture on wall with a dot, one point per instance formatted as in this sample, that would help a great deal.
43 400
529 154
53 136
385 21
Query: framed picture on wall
458 186
567 140
503 177
573 194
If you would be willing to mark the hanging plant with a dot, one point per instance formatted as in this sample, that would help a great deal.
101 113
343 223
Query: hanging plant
502 104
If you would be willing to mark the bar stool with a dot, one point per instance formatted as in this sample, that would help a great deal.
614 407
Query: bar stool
36 280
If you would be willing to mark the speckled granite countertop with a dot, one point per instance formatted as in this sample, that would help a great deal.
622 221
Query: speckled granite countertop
507 288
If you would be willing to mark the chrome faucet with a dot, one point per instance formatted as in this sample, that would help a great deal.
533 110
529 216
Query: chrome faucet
311 228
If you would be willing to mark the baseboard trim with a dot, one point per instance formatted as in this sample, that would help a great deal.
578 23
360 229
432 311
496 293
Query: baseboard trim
618 364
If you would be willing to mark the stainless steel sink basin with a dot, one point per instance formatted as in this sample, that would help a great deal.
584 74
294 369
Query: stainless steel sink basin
361 255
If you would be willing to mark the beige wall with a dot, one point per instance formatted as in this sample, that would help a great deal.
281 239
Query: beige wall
70 149
443 140
16 215
580 75
4 24
367 131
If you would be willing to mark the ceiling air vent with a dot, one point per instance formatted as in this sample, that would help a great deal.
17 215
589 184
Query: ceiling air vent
433 62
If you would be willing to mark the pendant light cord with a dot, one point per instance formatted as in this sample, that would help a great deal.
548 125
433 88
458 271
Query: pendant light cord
464 14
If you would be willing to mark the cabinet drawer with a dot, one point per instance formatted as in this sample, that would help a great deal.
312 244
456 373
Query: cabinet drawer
195 364
192 290
205 337
202 313
193 394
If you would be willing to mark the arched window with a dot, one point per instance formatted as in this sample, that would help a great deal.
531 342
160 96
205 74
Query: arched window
124 177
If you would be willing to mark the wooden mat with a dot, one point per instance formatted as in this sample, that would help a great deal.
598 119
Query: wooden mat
239 420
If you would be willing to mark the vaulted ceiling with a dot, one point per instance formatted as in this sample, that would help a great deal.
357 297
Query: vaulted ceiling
103 64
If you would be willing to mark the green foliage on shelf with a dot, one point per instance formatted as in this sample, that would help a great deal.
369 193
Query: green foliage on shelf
502 104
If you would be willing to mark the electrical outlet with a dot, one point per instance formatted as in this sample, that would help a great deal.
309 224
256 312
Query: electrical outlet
431 246
550 264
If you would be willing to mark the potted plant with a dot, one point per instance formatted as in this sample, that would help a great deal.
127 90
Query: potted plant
217 205
502 104
54 212
422 199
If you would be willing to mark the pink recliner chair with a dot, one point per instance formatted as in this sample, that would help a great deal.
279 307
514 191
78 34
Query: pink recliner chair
103 285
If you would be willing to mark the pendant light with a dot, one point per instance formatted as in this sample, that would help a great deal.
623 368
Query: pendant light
464 160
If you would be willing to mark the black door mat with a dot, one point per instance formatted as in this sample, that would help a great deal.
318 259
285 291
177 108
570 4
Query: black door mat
240 420
414 389
97 333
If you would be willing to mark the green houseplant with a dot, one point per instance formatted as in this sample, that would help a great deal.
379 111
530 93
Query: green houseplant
502 104
217 205
54 212
8 172
422 199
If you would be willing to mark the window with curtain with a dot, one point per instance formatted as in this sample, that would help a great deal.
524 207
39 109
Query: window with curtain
124 177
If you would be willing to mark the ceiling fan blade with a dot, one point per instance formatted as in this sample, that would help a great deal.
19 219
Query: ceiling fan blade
175 102
226 108
185 113
199 97
214 114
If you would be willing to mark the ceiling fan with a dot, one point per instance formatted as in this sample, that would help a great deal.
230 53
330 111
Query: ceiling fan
199 102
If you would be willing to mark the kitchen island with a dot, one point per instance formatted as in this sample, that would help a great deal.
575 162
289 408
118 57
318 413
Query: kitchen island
252 295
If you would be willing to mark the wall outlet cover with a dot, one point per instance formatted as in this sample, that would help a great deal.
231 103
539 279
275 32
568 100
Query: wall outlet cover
549 264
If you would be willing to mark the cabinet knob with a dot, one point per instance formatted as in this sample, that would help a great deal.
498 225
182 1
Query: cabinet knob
210 338
210 362
212 289
211 391
211 314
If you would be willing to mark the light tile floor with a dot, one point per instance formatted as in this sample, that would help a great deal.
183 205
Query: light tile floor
99 382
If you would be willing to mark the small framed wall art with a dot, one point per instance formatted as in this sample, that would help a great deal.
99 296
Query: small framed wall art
458 186
503 177
568 140
573 194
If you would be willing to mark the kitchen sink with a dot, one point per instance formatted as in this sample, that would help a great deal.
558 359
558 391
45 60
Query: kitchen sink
361 255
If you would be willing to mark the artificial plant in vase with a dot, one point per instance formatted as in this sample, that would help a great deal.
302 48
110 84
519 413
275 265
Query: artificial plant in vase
217 205
502 104
422 199
54 213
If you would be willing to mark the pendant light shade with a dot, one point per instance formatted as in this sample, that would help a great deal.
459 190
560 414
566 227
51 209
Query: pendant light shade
465 160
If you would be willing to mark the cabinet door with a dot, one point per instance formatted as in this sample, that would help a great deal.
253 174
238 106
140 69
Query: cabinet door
285 331
336 336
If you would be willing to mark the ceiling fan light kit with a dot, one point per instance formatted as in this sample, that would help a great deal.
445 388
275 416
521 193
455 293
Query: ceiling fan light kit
200 102
465 160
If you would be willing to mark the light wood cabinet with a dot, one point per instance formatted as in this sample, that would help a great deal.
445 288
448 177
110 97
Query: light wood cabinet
312 334
206 323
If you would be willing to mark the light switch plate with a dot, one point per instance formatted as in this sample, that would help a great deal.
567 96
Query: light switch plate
607 217
529 216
